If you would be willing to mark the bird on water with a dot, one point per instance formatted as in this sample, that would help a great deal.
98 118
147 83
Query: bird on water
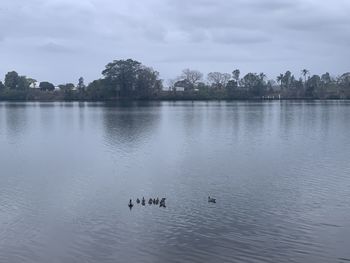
211 200
162 203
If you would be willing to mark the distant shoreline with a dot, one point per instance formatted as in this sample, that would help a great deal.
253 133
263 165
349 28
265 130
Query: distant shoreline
124 80
179 100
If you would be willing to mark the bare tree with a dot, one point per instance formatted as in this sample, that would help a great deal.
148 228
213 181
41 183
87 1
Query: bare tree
192 76
218 79
171 83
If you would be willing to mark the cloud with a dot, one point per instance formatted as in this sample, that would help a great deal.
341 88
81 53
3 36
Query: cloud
256 35
55 48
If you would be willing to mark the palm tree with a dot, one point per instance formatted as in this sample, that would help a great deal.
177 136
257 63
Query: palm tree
262 76
32 82
305 72
280 79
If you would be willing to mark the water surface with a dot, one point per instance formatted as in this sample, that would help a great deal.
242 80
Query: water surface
280 172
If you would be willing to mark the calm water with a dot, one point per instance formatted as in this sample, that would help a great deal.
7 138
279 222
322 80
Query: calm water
279 170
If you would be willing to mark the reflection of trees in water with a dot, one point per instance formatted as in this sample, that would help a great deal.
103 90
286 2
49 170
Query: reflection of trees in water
301 117
16 120
129 124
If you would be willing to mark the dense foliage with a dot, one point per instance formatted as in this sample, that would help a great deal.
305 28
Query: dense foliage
129 79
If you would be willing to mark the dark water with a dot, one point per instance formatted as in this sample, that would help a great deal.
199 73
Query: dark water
279 170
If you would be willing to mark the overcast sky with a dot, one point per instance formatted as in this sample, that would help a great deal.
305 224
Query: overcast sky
61 40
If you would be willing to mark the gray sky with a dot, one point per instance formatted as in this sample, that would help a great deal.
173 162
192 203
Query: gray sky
61 40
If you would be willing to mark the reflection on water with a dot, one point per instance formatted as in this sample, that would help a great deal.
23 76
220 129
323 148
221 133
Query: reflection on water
279 171
130 124
15 115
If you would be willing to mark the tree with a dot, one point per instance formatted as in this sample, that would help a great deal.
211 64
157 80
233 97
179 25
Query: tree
130 79
312 85
192 76
326 78
22 83
171 84
46 86
122 75
280 80
262 76
66 87
219 80
15 82
305 72
184 84
81 86
344 80
235 75
2 86
99 90
32 82
68 92
270 85
254 84
147 83
231 85
287 79
343 83
11 80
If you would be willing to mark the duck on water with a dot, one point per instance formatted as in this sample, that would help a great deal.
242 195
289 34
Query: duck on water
130 205
151 201
211 200
162 203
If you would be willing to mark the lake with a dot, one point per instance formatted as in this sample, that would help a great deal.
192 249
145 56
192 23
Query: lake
280 172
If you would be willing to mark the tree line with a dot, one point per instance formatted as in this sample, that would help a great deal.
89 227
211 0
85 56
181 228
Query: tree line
130 79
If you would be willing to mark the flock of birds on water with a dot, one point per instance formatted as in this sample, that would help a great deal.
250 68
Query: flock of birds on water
161 202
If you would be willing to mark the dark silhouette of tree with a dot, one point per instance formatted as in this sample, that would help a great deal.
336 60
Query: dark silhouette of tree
23 83
66 87
254 84
81 85
280 80
99 90
15 82
32 82
287 79
305 72
130 79
46 86
122 75
11 80
235 75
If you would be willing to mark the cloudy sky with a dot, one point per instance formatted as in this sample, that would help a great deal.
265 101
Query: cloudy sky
60 40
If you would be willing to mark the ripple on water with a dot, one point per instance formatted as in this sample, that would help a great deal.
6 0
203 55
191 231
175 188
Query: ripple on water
279 171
